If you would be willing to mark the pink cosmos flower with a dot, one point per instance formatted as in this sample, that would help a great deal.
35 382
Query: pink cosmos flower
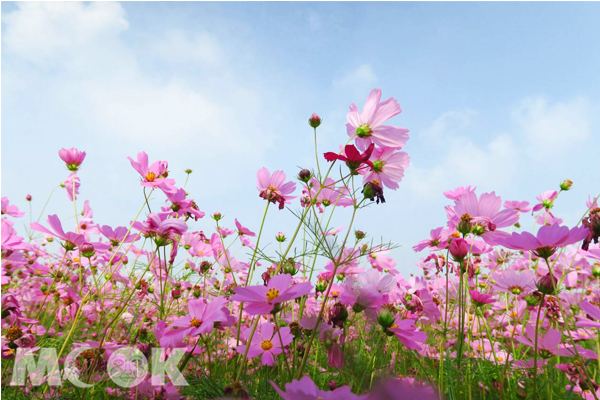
262 299
546 345
378 260
509 281
203 316
521 206
243 234
273 188
305 389
267 342
68 185
480 299
459 191
387 167
182 206
483 214
12 211
367 291
118 235
546 241
402 389
438 239
367 125
406 331
70 239
72 157
590 310
546 200
155 175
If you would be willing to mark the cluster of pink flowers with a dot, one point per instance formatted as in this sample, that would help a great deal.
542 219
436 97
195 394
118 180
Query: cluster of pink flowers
328 315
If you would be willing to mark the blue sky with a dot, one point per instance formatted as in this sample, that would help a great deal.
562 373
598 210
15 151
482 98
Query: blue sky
503 96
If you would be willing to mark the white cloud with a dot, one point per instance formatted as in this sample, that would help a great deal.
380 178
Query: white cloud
553 128
450 123
98 77
358 81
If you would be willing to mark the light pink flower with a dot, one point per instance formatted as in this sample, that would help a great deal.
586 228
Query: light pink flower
155 175
267 342
388 167
367 125
72 157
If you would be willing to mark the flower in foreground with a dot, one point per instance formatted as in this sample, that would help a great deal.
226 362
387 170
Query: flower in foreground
70 239
352 157
547 240
273 188
387 167
406 331
262 299
367 125
267 342
305 389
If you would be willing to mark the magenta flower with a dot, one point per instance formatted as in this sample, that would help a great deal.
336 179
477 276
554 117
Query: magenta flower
547 240
305 389
367 126
480 299
406 331
203 316
72 157
12 211
387 167
402 389
262 299
155 175
267 342
482 216
273 188
352 157
459 248
70 239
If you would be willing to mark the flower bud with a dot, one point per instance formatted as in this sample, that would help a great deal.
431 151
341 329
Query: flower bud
359 234
338 314
547 284
386 318
465 226
176 293
314 121
280 237
596 270
459 248
321 286
217 216
87 250
304 175
188 171
205 266
566 184
289 267
28 197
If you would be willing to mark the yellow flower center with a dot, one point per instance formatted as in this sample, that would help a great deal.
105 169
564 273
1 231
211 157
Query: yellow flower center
266 345
272 294
195 323
150 176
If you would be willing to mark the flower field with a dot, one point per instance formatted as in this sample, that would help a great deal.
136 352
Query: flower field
179 304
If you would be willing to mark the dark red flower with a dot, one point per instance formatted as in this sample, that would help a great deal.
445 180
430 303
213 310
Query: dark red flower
352 157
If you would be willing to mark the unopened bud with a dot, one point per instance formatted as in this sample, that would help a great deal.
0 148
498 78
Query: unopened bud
28 197
359 234
566 184
87 250
217 216
304 175
314 120
547 284
280 237
386 318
